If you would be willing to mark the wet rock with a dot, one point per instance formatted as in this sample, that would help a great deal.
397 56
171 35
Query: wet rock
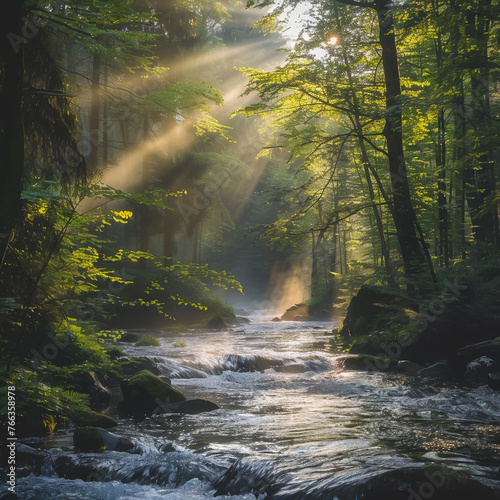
494 381
478 369
242 478
276 319
411 483
144 392
88 439
405 366
26 456
364 362
79 467
441 369
191 406
23 471
114 442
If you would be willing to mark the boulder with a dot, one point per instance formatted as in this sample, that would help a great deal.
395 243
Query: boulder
216 322
405 366
114 442
478 369
88 439
364 362
488 348
276 319
370 302
494 381
144 392
441 369
191 406
29 457
296 310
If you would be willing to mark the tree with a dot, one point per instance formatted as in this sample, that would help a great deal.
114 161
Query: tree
269 86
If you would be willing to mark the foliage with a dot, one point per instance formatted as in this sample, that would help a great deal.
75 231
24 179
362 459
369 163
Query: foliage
36 400
147 340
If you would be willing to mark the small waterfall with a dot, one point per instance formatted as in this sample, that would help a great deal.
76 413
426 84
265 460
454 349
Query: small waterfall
242 363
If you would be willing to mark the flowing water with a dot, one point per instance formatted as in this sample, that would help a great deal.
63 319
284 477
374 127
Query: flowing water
291 422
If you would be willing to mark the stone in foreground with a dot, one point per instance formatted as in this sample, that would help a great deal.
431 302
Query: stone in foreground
144 392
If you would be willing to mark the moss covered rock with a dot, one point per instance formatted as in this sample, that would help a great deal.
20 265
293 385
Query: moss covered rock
216 321
144 392
88 439
296 310
369 308
148 340
365 362
89 418
135 365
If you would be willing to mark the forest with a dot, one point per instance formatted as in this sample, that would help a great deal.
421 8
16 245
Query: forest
258 240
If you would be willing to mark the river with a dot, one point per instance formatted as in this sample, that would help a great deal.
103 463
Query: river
290 420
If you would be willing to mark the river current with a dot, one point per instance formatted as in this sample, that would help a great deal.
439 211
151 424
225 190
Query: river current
290 421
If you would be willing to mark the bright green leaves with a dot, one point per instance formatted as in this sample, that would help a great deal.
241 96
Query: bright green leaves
157 197
195 96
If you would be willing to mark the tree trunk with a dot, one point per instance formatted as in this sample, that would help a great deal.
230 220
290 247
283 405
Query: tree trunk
11 121
144 229
478 177
444 256
404 214
95 113
105 120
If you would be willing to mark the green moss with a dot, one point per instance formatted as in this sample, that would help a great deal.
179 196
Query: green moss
215 320
86 418
146 340
88 439
147 385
